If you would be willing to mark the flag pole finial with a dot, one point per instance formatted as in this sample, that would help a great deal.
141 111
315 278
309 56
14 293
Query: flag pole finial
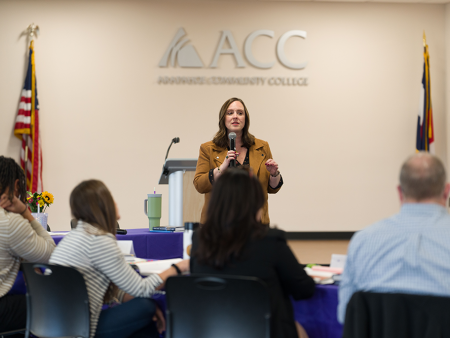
424 39
33 31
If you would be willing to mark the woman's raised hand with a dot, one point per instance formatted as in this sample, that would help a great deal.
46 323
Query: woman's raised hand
15 206
272 167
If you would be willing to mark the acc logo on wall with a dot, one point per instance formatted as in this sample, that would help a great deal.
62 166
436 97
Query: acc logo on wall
186 56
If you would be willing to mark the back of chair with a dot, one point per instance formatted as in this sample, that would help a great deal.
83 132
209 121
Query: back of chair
57 301
205 306
396 315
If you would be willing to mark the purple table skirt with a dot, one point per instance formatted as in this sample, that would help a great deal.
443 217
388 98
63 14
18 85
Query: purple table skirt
150 245
318 315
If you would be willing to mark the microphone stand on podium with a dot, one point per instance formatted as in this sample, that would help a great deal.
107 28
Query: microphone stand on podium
172 175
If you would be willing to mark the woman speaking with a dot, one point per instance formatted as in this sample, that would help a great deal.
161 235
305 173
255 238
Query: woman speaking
216 156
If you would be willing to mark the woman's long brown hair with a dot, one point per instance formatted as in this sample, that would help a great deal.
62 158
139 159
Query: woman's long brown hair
91 202
221 137
236 199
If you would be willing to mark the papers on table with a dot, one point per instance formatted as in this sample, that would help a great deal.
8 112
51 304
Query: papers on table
52 233
147 268
126 247
320 277
328 274
132 259
334 271
338 261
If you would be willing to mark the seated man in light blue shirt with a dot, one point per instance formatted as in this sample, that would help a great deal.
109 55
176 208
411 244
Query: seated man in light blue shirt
410 251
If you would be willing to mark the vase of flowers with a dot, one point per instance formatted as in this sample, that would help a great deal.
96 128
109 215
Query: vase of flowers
38 203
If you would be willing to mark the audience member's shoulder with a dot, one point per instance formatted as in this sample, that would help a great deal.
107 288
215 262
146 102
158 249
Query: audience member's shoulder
381 227
12 218
105 238
85 229
276 234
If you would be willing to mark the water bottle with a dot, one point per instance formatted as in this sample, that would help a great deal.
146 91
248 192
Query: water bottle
189 228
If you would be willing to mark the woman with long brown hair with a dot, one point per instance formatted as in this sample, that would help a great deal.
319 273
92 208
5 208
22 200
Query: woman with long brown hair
215 157
234 241
91 248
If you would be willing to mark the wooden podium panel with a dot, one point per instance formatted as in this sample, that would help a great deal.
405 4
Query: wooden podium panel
192 200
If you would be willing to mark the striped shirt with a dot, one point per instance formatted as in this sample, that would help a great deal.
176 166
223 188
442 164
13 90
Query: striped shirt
98 258
406 253
20 239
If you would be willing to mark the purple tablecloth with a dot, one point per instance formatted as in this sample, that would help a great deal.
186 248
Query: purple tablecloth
318 315
151 245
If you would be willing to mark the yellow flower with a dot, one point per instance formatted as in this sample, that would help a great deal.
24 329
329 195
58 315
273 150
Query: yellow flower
41 203
47 197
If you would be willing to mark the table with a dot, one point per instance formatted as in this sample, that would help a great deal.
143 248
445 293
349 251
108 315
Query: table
318 315
146 244
150 245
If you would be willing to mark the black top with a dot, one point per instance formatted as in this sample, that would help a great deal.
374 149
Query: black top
271 260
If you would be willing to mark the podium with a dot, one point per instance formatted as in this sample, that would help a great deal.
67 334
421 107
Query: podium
172 175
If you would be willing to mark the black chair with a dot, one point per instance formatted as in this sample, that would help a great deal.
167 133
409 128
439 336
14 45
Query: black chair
74 222
9 333
57 301
205 306
396 315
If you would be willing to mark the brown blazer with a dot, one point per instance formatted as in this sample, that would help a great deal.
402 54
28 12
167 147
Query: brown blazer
212 156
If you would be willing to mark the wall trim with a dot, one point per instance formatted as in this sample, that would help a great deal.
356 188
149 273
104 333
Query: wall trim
319 235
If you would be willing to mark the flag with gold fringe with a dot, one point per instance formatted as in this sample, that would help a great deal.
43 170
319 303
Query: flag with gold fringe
425 129
27 128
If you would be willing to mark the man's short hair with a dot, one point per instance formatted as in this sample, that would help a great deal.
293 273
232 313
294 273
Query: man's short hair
422 177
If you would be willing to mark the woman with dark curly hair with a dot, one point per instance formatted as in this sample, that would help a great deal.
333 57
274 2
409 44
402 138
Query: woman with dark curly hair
234 241
21 237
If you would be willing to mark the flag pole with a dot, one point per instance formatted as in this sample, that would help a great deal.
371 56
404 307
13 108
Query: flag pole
33 31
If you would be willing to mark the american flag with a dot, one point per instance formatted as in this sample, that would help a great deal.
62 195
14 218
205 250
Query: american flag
425 130
27 129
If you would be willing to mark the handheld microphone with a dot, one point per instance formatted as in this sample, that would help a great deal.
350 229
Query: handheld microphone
232 137
174 140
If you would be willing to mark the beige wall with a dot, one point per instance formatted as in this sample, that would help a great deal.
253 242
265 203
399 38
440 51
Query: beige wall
447 77
339 141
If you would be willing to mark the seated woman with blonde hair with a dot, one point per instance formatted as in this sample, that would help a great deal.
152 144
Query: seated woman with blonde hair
91 248
233 241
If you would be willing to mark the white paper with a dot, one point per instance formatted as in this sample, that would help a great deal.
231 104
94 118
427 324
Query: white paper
320 274
147 268
51 233
126 247
338 261
132 259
